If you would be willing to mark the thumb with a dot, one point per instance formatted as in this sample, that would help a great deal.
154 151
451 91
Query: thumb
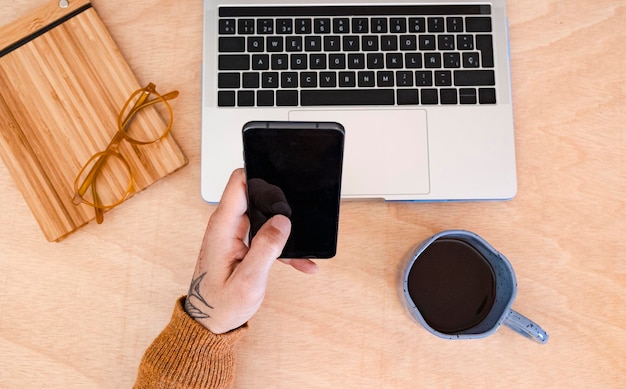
266 246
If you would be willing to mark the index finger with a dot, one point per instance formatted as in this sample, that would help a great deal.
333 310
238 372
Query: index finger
233 204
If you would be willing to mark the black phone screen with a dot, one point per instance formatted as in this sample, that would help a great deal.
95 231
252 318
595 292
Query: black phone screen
294 169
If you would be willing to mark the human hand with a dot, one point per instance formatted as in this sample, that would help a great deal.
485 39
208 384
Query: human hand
230 278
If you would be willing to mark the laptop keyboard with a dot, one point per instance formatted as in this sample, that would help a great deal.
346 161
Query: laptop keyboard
355 55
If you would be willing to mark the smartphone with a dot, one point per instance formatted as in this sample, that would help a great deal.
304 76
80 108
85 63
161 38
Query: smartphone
294 169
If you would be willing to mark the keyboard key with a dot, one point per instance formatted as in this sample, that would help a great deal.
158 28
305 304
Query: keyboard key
366 79
269 80
443 78
245 98
369 43
417 25
228 81
245 26
284 26
322 26
234 62
423 78
394 60
328 79
360 25
471 60
232 44
293 43
356 61
408 43
397 25
413 60
408 96
317 61
448 96
474 77
303 26
351 43
404 78
379 25
312 97
487 95
287 98
427 42
389 43
467 96
451 60
308 80
251 80
445 42
260 61
347 79
313 43
298 61
375 61
227 26
265 98
465 42
478 24
332 43
432 60
385 78
337 61
265 26
280 62
429 96
436 24
256 44
454 24
226 98
484 44
289 80
275 44
341 25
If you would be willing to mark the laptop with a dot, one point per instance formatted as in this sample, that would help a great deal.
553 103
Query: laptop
422 88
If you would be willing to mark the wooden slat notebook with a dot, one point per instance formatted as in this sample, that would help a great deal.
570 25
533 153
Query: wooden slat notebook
63 82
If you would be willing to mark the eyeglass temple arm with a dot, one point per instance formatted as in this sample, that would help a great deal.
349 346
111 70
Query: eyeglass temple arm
99 211
142 103
89 179
171 95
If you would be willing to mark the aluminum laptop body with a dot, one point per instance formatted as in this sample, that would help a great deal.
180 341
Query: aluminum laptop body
423 90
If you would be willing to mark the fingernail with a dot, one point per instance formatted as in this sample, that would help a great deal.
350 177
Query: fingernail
281 223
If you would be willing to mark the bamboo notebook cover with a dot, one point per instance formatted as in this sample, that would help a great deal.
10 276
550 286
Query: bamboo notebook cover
63 82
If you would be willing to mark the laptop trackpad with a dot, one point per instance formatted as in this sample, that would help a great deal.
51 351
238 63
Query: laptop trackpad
386 151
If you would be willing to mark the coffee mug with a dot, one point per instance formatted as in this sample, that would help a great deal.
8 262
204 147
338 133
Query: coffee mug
457 286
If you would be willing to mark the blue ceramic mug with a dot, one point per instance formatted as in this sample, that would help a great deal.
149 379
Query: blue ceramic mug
457 286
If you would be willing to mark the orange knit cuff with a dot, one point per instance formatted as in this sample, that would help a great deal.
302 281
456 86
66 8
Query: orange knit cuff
187 355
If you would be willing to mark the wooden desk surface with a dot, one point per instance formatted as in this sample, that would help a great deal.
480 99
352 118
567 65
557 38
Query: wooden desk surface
80 313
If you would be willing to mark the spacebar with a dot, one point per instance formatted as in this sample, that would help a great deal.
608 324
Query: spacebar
347 97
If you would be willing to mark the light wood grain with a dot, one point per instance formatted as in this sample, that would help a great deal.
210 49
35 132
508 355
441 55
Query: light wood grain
35 20
60 97
80 313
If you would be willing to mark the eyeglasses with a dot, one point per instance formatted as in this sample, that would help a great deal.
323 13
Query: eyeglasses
106 180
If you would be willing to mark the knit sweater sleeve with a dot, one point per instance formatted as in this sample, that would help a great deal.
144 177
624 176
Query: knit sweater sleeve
187 355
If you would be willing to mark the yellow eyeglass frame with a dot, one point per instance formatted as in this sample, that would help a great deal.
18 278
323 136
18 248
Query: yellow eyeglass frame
141 98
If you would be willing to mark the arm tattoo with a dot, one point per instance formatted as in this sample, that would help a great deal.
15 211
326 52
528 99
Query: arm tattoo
194 293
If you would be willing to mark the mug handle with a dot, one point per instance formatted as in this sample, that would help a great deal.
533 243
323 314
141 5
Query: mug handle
525 326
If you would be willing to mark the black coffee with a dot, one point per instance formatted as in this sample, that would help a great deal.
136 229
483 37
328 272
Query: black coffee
452 285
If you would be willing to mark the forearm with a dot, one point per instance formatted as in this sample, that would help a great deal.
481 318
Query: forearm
187 355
